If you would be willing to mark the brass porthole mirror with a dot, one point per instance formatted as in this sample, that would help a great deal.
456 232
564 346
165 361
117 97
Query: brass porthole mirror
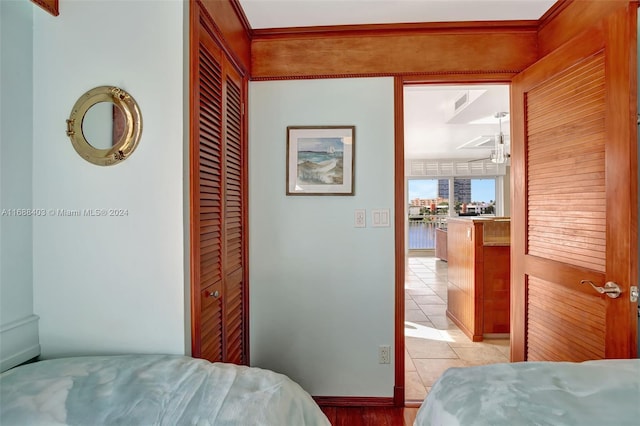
105 125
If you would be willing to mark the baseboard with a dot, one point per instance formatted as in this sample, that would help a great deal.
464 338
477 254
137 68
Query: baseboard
20 342
354 401
496 336
413 403
398 396
463 328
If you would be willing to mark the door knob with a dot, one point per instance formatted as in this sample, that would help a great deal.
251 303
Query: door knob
611 289
214 294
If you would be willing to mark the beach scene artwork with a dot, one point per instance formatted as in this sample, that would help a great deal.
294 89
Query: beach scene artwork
321 161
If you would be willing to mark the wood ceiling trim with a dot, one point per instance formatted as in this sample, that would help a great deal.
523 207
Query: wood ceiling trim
450 77
358 30
395 51
567 18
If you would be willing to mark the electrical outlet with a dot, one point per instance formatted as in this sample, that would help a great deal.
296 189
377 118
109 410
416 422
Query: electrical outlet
360 218
384 354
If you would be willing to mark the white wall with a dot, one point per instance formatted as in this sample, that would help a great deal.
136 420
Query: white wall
322 291
18 325
110 284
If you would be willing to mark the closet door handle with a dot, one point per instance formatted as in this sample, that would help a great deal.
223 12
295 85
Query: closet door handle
215 294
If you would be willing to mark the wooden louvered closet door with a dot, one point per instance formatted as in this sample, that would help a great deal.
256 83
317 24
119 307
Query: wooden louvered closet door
574 171
234 306
218 210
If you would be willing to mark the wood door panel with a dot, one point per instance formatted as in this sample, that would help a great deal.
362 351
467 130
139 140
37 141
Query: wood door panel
218 207
233 311
555 109
211 322
558 326
574 195
233 182
560 273
234 326
209 163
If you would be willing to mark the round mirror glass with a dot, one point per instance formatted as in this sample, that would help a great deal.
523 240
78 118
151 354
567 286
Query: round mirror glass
103 125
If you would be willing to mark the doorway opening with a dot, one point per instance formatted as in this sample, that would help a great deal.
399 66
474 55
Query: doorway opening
456 156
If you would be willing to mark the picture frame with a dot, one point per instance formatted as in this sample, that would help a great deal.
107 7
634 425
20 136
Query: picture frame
320 160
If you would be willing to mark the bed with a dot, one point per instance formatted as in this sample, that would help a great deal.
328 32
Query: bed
605 392
151 390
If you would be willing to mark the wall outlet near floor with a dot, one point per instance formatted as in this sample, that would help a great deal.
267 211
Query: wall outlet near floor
384 354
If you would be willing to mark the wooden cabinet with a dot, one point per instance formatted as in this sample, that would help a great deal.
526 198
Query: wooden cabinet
479 266
218 199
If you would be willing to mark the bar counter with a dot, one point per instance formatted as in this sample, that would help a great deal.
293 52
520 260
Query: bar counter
478 254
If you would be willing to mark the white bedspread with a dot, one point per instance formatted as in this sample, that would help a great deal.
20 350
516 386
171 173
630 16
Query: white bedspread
151 390
593 393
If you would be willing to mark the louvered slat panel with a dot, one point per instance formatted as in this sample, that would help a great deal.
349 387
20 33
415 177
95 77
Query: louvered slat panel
234 286
565 167
233 324
563 324
210 131
218 210
233 181
211 324
233 318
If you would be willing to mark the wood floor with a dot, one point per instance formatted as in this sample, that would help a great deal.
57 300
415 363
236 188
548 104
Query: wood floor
370 416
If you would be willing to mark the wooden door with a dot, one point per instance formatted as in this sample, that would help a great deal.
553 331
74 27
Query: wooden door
218 206
574 195
234 217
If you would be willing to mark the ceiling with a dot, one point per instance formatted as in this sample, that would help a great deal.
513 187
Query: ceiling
433 129
304 13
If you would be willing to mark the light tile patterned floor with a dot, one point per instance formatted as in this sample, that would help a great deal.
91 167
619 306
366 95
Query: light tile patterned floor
432 342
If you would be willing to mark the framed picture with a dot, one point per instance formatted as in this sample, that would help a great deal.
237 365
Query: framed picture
320 160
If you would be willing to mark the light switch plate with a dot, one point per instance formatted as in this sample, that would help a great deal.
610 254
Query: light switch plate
380 218
360 218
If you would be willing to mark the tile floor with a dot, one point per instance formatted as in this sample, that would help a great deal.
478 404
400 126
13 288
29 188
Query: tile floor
433 343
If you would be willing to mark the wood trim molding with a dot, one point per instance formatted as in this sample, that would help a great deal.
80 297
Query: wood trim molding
229 28
245 221
620 34
50 6
353 401
416 77
461 77
399 226
399 201
237 7
386 29
194 213
553 12
569 18
392 50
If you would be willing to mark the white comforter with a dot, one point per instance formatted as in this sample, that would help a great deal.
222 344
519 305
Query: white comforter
592 393
151 390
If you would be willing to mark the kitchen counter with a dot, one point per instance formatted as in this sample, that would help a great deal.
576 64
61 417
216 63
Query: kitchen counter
478 252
